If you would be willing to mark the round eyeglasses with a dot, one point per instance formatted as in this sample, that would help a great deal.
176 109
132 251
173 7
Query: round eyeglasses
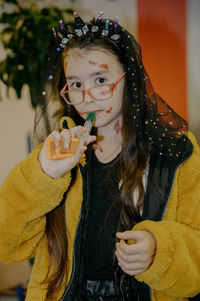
101 92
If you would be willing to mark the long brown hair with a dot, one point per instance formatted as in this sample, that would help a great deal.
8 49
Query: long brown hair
132 160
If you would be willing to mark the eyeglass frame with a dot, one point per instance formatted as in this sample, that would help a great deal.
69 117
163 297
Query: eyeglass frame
112 87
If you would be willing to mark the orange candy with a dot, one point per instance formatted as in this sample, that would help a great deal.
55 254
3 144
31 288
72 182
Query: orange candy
59 152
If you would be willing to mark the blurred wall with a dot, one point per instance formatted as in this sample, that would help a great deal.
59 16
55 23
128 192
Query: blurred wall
16 117
193 65
162 36
168 32
16 123
125 10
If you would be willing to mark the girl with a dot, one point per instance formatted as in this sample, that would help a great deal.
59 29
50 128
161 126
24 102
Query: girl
118 220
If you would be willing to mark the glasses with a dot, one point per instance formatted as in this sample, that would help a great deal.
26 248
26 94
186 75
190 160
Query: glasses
101 92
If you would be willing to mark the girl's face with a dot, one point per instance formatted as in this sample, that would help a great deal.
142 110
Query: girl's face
88 68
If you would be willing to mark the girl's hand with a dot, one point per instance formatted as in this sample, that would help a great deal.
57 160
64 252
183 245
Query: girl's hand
57 168
135 258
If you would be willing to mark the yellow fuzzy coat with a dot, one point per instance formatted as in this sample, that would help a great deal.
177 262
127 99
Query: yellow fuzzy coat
28 194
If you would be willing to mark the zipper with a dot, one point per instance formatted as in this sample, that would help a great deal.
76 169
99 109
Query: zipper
73 263
172 185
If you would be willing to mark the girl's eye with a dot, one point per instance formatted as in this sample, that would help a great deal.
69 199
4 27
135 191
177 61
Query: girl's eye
101 81
76 85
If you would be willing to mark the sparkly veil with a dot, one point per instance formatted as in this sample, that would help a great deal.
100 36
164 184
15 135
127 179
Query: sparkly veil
158 127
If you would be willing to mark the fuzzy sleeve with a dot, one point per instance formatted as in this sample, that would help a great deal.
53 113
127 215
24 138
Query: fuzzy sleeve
176 267
25 197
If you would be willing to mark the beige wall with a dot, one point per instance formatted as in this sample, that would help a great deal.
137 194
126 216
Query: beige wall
17 116
193 65
125 10
16 123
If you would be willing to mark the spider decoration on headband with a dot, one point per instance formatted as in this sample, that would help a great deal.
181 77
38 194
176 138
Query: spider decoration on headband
158 128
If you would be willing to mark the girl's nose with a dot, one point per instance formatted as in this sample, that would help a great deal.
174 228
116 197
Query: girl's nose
87 97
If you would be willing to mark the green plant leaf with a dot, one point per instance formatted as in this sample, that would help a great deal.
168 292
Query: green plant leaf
28 37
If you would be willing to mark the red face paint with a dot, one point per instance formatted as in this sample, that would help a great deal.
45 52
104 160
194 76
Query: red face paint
99 147
117 127
80 113
109 110
92 63
65 68
104 66
105 92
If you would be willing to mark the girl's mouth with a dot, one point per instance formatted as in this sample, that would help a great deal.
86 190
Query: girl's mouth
95 111
98 112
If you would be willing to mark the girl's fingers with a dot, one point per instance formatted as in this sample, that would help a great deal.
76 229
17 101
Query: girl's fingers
132 262
131 267
132 272
128 258
66 134
127 249
73 160
56 136
79 153
59 167
87 139
78 131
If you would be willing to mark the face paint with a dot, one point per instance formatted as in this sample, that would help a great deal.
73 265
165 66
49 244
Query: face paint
65 68
92 63
80 113
109 110
106 92
104 66
99 147
117 127
90 75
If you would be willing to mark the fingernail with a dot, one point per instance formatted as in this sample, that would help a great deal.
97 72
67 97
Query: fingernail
118 233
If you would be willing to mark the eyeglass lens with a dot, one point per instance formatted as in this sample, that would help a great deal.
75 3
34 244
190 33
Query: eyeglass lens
97 93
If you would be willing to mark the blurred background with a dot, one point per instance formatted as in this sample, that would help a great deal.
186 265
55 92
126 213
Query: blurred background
168 32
